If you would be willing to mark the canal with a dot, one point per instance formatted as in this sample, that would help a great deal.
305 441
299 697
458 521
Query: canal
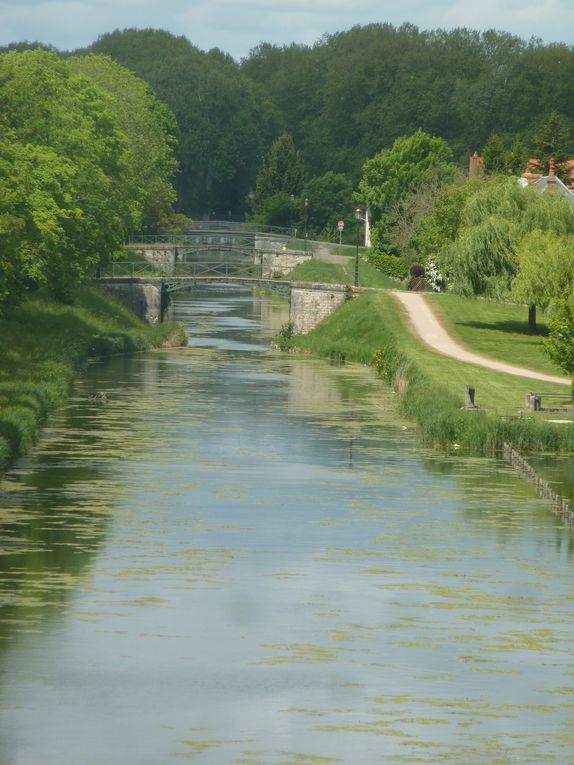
244 557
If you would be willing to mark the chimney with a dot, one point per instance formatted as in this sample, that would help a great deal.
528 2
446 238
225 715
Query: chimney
474 164
551 181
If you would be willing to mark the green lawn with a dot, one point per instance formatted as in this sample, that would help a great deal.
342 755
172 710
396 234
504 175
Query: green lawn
494 329
370 321
318 271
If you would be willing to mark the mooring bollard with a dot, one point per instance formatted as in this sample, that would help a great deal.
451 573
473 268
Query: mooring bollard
469 397
533 402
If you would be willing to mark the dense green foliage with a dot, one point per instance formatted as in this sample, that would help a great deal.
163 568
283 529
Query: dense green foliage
330 199
149 128
279 182
560 344
483 257
410 162
353 93
225 120
554 142
43 345
69 187
345 99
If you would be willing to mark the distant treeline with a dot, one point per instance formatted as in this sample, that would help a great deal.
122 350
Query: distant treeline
342 100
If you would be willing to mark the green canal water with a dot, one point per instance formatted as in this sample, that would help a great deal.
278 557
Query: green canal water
244 558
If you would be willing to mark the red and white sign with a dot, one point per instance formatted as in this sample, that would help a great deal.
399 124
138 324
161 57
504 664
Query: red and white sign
341 225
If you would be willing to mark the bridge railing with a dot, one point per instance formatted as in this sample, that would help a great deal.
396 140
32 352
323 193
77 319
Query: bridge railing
131 268
205 228
237 268
218 268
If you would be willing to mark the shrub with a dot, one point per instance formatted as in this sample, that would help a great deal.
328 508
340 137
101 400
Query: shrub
390 265
285 337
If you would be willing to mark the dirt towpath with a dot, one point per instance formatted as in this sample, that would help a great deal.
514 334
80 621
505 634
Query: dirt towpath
427 326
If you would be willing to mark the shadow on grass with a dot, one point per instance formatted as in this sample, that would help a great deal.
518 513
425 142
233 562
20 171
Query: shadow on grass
508 326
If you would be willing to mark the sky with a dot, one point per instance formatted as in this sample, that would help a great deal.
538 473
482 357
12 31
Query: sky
237 26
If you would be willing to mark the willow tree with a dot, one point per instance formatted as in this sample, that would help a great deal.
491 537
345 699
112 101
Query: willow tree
495 240
545 270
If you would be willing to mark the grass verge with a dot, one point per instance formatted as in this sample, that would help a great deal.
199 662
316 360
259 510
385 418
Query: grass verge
431 387
43 345
329 273
499 330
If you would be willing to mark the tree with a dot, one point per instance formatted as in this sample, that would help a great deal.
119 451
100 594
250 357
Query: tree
225 120
35 210
69 190
560 343
494 154
149 127
281 172
545 271
330 200
517 157
553 141
441 226
49 108
495 226
394 173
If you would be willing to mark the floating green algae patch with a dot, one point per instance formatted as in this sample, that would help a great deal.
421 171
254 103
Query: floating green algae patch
430 620
44 344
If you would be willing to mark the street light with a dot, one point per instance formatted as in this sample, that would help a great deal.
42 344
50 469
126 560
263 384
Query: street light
292 200
358 218
306 212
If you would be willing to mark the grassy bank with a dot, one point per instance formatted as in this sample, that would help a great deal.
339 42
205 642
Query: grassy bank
43 345
431 387
330 273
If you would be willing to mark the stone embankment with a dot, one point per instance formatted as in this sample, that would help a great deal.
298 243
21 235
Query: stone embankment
561 506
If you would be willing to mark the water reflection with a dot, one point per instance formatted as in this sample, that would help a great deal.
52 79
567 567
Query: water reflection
243 557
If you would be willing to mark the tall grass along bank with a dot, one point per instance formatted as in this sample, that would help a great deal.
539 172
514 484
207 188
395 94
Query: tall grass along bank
430 388
43 346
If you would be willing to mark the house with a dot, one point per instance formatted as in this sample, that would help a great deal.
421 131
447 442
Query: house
543 183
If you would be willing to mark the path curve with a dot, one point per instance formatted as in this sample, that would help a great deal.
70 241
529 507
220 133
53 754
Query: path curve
432 333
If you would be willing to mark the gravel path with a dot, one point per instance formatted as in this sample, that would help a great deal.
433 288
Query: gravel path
432 333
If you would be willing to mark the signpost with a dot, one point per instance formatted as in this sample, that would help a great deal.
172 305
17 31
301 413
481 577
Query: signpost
341 227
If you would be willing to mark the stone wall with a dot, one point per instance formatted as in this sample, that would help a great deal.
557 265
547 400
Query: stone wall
311 303
145 300
282 262
160 256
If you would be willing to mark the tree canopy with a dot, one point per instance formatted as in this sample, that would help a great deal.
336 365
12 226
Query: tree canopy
69 192
225 121
411 161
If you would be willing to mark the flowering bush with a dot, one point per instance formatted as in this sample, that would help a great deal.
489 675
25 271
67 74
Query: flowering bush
435 279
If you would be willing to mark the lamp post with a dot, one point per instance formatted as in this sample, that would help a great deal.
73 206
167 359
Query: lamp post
358 218
292 200
306 212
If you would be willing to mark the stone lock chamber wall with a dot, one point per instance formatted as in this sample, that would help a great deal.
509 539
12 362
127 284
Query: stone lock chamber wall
311 303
